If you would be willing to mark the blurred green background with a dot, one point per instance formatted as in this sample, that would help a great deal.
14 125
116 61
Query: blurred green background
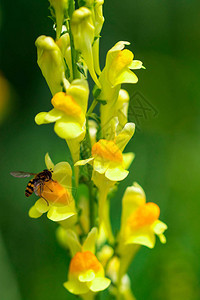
165 35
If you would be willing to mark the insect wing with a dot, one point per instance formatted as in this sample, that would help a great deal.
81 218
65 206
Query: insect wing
21 174
38 187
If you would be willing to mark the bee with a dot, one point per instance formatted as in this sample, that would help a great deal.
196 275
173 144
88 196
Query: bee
37 183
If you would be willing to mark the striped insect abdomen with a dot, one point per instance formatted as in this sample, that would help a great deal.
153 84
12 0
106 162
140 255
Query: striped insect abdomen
30 188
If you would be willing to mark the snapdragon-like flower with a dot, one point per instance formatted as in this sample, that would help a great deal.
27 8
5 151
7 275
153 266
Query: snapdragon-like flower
119 63
140 220
51 63
107 157
83 31
86 273
59 9
69 115
58 194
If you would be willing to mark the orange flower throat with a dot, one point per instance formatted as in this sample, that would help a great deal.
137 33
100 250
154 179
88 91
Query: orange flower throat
145 215
83 261
107 150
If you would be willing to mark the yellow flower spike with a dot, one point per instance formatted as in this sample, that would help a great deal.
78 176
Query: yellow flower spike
83 33
51 63
86 274
65 48
61 205
60 8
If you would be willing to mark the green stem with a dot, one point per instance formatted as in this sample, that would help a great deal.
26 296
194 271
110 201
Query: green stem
73 51
92 106
90 183
92 205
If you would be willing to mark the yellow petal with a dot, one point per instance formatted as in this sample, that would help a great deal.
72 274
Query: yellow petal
40 118
60 213
116 173
159 227
83 162
68 129
34 213
41 206
100 165
125 135
145 238
48 162
76 287
86 276
99 284
72 241
62 173
53 116
89 244
128 159
126 76
136 64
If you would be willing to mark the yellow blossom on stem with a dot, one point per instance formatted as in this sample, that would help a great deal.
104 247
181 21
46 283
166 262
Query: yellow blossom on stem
83 34
57 199
119 63
107 157
86 273
140 220
51 63
69 115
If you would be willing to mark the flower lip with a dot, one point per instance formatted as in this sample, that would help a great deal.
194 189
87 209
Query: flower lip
145 215
84 261
107 150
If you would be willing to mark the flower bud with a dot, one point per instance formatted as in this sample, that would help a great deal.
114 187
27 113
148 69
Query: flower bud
59 9
51 63
83 33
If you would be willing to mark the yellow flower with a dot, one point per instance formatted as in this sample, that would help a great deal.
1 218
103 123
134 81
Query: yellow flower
107 157
68 112
119 63
60 9
86 274
140 220
51 63
83 31
57 193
